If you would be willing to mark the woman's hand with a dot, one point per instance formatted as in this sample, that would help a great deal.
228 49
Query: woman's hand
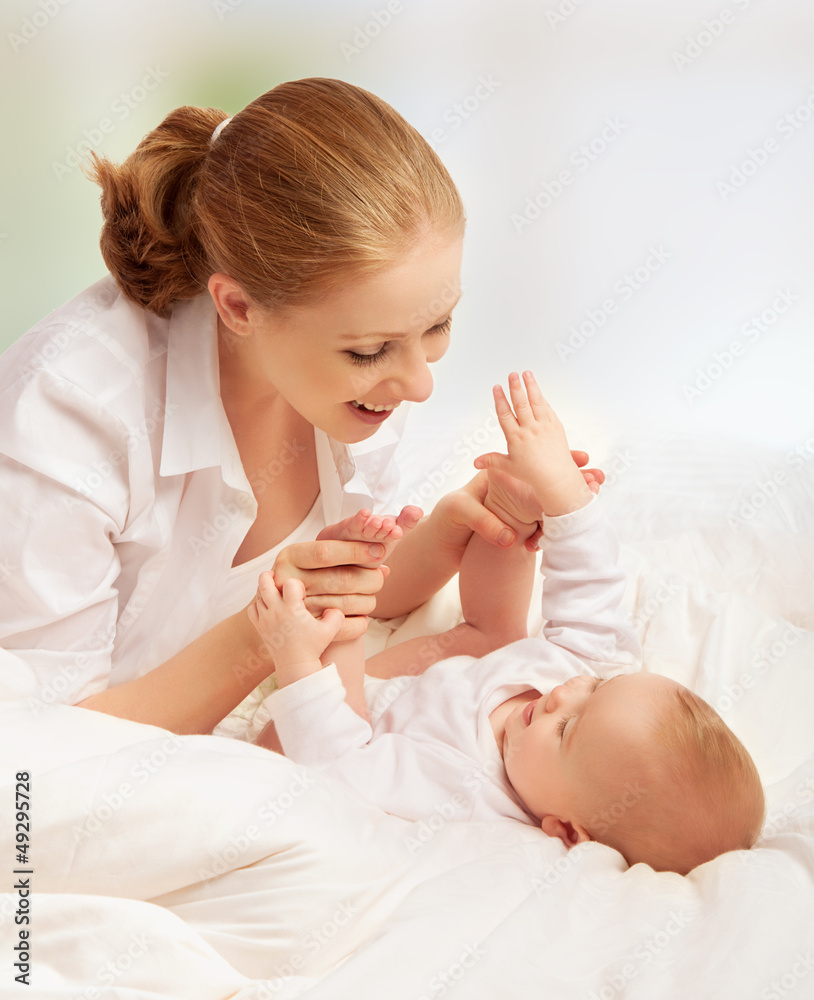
462 511
332 574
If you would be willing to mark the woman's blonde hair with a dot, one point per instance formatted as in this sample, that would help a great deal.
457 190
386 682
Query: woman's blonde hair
314 184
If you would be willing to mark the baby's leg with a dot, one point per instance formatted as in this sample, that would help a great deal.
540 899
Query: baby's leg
413 656
349 656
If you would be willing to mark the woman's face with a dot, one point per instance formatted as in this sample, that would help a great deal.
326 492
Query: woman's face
348 362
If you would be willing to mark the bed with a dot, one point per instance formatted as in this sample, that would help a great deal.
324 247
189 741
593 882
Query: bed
205 867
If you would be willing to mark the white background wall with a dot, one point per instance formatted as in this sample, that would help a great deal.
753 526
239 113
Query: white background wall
696 89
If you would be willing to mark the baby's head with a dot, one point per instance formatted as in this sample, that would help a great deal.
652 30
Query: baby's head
637 762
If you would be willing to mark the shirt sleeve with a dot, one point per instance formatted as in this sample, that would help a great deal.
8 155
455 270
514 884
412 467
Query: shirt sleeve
584 587
64 499
402 776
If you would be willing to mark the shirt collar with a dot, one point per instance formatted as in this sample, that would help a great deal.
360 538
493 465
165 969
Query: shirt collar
194 429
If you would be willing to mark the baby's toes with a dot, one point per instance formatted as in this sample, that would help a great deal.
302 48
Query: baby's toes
409 517
372 528
357 524
390 531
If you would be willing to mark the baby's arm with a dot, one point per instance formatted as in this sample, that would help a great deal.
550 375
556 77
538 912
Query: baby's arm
538 476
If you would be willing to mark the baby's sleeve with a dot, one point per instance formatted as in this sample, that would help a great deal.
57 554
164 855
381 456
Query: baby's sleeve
584 587
314 723
403 776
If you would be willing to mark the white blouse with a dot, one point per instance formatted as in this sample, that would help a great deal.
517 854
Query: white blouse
123 499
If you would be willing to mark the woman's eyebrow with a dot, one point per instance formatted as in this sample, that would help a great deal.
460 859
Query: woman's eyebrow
397 336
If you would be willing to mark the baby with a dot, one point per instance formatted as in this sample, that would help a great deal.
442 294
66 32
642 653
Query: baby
561 731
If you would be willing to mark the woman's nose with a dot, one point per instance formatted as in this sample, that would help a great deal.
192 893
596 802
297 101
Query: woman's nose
414 380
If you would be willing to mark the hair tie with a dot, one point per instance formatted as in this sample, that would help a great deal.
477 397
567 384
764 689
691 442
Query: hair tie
219 129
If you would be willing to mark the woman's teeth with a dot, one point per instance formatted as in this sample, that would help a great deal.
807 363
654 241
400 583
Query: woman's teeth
372 409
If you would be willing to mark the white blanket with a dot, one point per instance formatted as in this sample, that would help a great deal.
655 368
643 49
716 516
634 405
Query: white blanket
203 867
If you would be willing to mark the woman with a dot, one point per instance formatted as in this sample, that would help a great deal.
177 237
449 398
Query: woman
279 284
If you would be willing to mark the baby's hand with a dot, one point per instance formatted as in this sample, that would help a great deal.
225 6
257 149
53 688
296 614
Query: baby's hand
538 449
293 635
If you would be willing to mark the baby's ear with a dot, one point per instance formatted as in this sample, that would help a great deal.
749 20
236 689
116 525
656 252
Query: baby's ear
569 833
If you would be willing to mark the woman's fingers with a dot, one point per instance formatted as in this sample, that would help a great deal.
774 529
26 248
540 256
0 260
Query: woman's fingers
348 604
492 460
329 553
483 522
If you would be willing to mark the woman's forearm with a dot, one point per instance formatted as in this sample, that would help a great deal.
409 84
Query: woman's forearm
198 687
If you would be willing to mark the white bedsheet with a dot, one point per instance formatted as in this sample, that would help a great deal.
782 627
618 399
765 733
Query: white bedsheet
201 867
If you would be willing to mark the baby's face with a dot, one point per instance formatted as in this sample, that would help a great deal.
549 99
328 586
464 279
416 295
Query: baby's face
556 746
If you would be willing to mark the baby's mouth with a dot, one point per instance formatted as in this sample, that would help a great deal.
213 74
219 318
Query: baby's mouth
528 711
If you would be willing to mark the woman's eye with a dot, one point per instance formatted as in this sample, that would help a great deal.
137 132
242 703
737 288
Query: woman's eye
379 356
368 359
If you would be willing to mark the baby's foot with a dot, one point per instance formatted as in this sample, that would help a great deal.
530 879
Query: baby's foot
365 526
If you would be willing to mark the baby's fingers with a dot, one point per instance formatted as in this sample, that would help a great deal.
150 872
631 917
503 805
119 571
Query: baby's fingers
539 404
332 619
267 592
294 593
520 400
505 414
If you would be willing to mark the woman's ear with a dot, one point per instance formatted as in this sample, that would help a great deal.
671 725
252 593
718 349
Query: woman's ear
231 302
569 833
